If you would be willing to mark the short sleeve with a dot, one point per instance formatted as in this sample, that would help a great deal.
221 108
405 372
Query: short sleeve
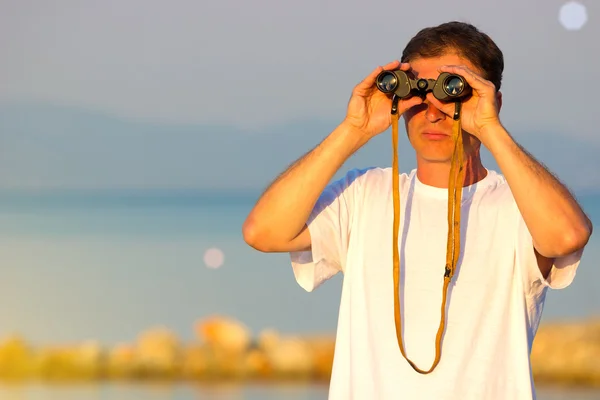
563 269
329 225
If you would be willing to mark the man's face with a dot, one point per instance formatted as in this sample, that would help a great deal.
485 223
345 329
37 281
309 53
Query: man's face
429 129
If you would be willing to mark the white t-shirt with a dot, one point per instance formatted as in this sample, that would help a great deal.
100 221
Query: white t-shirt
495 299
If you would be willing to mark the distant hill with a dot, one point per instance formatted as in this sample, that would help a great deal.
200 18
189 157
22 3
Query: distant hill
46 146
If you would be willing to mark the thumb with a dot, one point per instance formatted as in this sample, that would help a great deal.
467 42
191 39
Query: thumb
404 105
446 108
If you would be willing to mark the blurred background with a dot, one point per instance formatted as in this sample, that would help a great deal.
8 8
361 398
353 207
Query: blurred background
135 136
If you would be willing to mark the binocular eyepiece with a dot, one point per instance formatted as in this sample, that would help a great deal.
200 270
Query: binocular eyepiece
447 87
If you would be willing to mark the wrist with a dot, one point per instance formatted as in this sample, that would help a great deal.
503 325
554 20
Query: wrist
495 138
353 134
490 133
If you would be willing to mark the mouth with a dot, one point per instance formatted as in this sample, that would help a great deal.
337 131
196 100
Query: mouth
435 135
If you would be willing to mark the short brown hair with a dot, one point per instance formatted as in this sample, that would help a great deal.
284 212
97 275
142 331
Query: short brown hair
464 38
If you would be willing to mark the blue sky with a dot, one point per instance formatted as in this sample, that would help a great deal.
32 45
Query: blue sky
254 67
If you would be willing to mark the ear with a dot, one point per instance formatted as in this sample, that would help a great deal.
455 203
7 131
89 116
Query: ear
499 100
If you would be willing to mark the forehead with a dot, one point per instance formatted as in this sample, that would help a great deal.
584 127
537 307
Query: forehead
428 67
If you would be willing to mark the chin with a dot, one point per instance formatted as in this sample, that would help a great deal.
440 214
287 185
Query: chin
436 153
437 160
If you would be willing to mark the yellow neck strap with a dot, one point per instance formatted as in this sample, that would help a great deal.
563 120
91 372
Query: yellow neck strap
456 181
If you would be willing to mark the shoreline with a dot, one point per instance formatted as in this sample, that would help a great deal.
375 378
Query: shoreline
565 354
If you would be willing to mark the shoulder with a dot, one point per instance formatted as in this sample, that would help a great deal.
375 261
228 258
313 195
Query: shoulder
348 183
380 177
496 200
494 189
371 177
367 183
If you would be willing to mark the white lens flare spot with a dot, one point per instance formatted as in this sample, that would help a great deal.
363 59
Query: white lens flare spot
213 258
573 16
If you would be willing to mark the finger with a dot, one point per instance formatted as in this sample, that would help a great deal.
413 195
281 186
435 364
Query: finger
397 65
369 81
409 103
405 66
446 108
474 80
392 65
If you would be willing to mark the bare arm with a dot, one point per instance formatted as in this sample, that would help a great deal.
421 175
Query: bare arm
278 220
557 223
277 223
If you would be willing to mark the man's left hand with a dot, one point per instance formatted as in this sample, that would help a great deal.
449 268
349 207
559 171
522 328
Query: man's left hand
481 110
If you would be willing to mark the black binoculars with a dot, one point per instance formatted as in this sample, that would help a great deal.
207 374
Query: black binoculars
447 87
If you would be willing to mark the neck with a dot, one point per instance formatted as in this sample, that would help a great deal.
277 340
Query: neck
437 174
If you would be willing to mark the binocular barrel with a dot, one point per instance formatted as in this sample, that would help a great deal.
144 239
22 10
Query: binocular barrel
446 87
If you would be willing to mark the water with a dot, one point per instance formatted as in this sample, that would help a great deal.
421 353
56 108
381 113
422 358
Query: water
220 392
107 266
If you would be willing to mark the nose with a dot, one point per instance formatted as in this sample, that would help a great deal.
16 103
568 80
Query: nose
434 114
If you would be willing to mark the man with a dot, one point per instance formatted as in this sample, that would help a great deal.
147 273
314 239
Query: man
521 233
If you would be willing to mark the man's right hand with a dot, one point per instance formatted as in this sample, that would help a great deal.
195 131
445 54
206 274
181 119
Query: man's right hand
277 223
369 108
